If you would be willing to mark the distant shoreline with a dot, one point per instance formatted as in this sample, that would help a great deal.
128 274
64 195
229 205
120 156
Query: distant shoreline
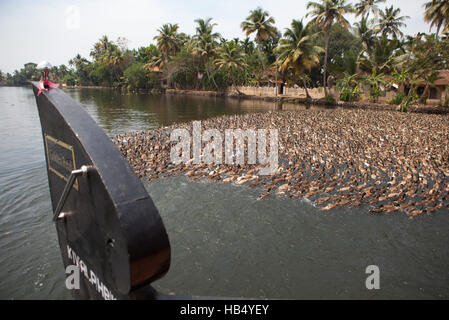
426 109
89 87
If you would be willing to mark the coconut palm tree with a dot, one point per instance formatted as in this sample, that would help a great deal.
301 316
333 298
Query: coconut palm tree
114 58
155 61
81 65
247 45
382 56
205 27
365 32
390 22
101 48
437 14
364 7
262 24
168 42
297 50
205 44
231 58
325 13
77 61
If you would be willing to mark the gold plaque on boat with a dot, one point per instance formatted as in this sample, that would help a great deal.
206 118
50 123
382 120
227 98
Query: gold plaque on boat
61 158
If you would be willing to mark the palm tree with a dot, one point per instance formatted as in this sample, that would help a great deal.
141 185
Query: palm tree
114 58
365 32
205 44
390 22
155 61
247 45
77 61
261 23
168 42
101 48
232 58
205 27
346 63
325 13
81 66
364 7
297 50
437 14
382 56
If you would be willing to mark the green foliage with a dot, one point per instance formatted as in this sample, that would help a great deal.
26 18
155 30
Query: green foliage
346 62
145 54
349 88
329 98
341 41
397 99
410 100
375 81
101 75
69 79
380 56
136 77
349 95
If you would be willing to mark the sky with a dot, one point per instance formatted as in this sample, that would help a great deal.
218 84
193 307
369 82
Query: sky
32 31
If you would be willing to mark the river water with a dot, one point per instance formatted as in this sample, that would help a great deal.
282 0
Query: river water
224 241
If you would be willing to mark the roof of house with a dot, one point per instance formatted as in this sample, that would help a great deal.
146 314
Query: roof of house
443 81
444 74
154 69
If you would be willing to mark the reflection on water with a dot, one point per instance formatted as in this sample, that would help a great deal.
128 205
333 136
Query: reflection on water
117 113
224 241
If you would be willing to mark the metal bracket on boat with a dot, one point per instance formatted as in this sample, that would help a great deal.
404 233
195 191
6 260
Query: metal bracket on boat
65 193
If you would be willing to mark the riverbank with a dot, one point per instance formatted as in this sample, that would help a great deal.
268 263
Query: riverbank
314 101
392 162
89 87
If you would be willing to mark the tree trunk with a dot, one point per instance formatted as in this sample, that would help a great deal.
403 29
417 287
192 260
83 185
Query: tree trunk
209 75
213 80
305 87
438 31
261 60
426 92
233 83
326 48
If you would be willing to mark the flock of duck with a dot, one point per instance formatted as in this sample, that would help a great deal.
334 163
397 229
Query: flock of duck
389 161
